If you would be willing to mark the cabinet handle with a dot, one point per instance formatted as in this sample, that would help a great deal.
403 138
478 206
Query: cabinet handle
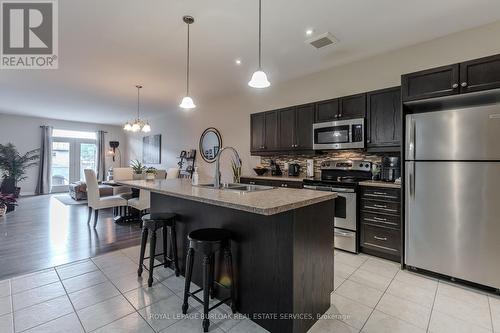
340 115
380 193
251 183
368 140
455 85
380 238
464 84
379 218
380 206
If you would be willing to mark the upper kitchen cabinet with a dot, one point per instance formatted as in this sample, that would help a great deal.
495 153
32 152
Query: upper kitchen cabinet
327 110
305 120
288 125
257 130
436 82
264 131
296 127
384 120
475 75
352 107
480 74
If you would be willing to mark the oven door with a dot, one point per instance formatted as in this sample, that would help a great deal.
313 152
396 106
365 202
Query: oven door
345 209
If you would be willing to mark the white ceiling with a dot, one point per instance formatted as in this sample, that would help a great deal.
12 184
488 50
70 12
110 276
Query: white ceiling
107 46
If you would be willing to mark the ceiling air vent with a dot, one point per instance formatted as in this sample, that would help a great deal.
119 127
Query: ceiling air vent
322 40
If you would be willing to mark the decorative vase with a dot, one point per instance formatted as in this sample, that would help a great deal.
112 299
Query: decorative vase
150 176
3 210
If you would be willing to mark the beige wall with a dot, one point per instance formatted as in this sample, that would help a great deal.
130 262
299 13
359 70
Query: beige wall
181 130
24 133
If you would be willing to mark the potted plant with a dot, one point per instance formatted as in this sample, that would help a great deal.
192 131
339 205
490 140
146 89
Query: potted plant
138 169
151 173
13 167
7 203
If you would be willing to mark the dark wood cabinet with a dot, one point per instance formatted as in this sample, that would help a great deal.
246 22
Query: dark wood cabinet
264 132
304 123
436 82
341 108
287 128
383 131
271 135
327 110
380 220
257 130
296 127
480 74
352 107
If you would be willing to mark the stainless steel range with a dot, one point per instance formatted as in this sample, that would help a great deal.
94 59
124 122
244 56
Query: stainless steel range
342 176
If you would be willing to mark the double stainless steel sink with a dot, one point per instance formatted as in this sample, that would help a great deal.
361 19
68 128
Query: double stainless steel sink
238 187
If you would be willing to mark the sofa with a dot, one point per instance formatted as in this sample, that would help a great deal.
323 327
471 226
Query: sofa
78 190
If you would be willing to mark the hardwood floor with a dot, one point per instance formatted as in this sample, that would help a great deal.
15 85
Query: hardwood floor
43 232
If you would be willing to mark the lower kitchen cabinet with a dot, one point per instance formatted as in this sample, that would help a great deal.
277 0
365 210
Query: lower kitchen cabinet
271 182
380 221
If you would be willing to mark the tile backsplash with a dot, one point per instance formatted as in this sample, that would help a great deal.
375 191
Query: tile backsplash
332 155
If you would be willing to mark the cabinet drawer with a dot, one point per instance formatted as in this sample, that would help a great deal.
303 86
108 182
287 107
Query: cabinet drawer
381 193
380 206
392 221
380 238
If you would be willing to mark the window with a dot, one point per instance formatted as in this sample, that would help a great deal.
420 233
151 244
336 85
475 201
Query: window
72 153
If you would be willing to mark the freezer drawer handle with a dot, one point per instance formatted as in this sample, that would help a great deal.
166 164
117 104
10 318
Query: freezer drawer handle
381 221
343 234
380 206
379 218
380 238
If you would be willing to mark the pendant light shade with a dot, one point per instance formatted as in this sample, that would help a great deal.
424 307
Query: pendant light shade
187 102
138 124
259 80
259 77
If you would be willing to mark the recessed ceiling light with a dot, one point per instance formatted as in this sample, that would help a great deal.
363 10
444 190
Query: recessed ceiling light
309 32
237 61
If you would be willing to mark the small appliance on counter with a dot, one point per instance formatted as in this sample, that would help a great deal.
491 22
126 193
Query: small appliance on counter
293 170
391 169
275 169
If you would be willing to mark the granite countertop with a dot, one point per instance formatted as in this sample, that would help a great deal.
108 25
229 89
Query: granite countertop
267 202
283 178
379 183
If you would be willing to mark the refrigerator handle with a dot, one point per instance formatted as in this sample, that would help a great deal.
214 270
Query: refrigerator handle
411 128
411 179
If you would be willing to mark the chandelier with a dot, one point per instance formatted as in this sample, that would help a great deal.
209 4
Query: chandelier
138 124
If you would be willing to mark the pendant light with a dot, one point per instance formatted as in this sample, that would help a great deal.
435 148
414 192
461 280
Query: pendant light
187 102
138 124
259 78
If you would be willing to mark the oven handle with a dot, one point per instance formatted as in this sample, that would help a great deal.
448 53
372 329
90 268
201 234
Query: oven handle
329 189
343 234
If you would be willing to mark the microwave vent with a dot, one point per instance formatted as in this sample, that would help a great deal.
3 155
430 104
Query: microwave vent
322 40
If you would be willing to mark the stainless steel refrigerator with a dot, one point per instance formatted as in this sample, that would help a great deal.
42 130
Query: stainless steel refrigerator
452 193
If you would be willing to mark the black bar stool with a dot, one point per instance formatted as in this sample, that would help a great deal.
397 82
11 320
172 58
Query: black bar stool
208 242
153 223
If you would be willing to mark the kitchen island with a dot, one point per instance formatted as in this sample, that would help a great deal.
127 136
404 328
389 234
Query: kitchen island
282 246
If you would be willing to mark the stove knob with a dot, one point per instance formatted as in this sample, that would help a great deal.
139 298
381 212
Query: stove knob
361 165
367 165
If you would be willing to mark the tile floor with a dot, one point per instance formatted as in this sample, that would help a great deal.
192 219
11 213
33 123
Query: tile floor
374 296
103 294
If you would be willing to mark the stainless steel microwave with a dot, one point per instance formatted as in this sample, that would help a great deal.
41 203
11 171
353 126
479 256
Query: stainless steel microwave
340 134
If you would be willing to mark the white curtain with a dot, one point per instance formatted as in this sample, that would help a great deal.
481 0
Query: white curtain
101 157
44 182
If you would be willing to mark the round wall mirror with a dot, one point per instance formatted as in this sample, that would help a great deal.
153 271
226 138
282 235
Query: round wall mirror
210 144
